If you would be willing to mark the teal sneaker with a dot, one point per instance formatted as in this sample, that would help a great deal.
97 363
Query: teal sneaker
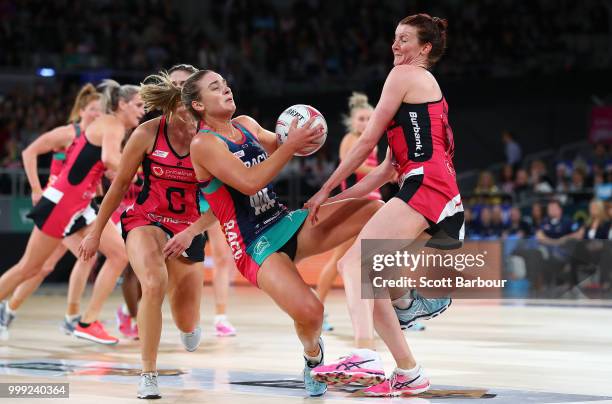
417 326
313 387
420 308
326 326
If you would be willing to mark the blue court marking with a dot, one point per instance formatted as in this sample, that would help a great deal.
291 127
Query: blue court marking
257 383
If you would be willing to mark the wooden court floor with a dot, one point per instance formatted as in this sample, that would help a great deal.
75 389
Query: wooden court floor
514 353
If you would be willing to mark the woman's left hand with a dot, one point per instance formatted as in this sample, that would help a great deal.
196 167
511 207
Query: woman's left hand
314 203
177 245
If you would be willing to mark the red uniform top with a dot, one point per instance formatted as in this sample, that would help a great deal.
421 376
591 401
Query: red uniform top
371 161
422 144
169 196
58 160
420 134
77 182
129 198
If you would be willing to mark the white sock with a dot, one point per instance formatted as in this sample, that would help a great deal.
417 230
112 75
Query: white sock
313 361
71 318
9 310
220 318
124 309
403 302
411 373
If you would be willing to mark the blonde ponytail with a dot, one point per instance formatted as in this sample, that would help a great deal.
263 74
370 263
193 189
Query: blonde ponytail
356 102
158 92
87 94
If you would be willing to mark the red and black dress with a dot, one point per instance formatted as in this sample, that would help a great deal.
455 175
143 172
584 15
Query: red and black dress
66 205
169 195
422 144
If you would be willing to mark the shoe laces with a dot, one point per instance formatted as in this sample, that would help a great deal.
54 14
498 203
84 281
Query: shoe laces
150 378
98 328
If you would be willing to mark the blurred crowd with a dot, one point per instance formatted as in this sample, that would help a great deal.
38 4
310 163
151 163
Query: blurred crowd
554 217
508 202
265 45
26 114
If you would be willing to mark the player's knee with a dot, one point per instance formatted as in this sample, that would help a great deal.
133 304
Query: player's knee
119 256
26 270
311 313
154 286
46 270
222 261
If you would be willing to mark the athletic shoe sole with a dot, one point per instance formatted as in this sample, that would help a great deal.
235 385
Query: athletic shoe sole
65 330
402 393
425 316
149 397
91 338
341 378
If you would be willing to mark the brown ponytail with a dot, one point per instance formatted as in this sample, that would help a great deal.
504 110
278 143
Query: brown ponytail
430 30
87 94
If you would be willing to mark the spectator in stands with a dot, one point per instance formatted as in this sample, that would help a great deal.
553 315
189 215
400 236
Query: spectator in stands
601 158
598 224
517 227
593 255
561 180
538 177
507 179
470 224
522 189
485 228
556 234
578 180
497 221
536 219
555 228
513 150
12 156
486 184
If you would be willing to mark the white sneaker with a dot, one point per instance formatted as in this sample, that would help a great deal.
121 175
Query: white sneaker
191 340
147 386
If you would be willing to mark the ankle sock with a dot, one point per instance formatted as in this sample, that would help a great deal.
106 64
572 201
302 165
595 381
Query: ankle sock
414 372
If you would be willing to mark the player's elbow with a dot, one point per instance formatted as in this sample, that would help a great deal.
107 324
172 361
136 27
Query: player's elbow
27 153
249 188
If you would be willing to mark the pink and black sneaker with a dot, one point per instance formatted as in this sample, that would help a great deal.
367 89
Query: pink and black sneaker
125 325
223 328
362 367
401 383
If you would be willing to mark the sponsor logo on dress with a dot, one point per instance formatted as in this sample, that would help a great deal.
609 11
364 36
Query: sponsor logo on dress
160 153
174 173
262 245
239 153
417 133
449 167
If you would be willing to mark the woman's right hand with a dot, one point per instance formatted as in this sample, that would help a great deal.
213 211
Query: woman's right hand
304 136
36 195
89 246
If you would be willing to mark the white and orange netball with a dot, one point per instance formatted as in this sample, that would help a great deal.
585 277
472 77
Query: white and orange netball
303 113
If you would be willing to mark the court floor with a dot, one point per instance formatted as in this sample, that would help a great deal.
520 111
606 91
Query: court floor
476 352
